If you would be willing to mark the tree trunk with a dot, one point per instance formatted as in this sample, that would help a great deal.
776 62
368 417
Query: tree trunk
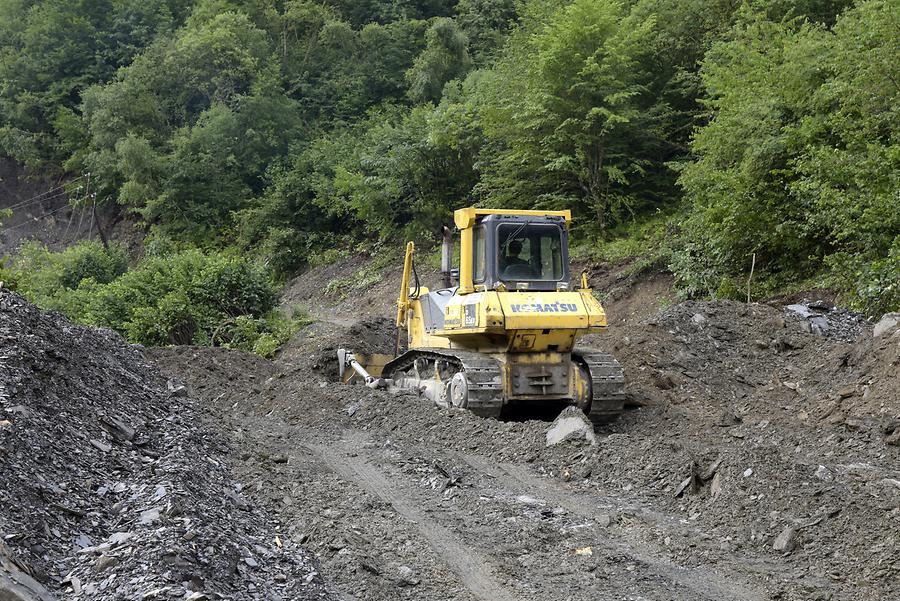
594 158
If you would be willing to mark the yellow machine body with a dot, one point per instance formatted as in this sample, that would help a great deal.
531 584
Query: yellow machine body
529 333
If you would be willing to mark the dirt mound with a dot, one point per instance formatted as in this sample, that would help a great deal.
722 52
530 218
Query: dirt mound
768 435
312 353
110 486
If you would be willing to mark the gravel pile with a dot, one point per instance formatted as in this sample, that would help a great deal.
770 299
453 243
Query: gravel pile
110 485
829 321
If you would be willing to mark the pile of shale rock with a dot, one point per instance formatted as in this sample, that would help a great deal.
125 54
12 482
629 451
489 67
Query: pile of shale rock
110 485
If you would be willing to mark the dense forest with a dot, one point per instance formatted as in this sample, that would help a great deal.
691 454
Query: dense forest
254 137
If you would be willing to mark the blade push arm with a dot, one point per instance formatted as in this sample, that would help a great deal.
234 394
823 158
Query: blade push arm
403 301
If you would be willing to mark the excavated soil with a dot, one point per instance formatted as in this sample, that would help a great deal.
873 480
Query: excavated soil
759 461
111 487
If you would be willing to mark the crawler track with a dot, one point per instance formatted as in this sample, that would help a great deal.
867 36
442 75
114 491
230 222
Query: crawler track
485 382
608 384
482 374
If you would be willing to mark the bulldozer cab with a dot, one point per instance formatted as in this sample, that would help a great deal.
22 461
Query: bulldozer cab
513 250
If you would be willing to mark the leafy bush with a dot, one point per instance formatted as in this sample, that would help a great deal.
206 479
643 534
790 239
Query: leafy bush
183 298
263 336
877 287
799 166
50 274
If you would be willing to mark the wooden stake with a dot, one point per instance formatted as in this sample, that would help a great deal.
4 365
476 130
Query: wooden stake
750 279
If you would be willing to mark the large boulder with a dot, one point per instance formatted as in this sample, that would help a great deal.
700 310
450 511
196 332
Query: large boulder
888 322
571 424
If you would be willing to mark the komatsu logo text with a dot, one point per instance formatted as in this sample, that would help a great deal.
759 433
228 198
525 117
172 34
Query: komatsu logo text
544 308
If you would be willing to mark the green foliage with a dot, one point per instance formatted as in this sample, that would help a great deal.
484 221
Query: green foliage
568 107
188 297
51 51
486 23
802 159
646 239
282 131
876 288
327 257
445 58
53 274
263 336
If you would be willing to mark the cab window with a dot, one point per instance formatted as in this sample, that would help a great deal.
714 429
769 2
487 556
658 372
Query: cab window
530 252
478 254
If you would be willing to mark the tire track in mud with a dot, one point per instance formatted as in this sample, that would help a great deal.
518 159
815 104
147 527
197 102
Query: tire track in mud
470 559
345 460
518 480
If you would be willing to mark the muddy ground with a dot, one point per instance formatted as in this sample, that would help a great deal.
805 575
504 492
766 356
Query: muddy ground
759 461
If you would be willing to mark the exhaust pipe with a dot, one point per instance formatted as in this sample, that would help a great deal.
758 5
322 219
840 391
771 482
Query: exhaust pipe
446 256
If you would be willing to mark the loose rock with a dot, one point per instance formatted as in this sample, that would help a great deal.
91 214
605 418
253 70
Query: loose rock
786 541
571 424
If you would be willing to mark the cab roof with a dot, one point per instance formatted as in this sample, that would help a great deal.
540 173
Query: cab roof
465 218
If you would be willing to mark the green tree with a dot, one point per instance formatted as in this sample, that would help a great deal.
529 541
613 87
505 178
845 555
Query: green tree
486 23
565 109
50 52
445 58
799 164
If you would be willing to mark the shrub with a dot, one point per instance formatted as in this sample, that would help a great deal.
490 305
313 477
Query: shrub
188 297
877 287
50 272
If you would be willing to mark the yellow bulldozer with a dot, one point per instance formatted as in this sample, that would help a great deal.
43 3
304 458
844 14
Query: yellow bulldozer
506 333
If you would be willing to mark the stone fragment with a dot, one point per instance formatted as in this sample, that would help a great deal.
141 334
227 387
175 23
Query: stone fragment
118 429
685 484
710 470
101 445
104 562
16 585
715 487
846 392
571 423
887 323
786 541
176 389
406 576
824 474
149 516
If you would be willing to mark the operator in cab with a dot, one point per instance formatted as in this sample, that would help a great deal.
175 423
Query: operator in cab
513 254
512 265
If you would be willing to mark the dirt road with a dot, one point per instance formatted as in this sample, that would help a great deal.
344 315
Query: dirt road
393 519
720 487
